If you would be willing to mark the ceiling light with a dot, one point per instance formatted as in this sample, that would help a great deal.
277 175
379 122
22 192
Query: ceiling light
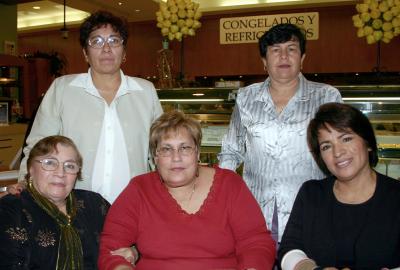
36 7
193 100
120 3
64 30
371 99
137 10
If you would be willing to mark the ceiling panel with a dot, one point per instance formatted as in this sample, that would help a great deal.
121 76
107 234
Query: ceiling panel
144 10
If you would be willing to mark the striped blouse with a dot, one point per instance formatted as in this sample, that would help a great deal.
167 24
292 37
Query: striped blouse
273 147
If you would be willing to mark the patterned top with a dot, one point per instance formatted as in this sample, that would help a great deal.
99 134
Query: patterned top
29 236
272 146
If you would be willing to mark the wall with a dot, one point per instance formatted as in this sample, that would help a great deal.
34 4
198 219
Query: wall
8 17
337 50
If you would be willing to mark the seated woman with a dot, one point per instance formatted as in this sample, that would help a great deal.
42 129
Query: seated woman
352 218
185 216
49 225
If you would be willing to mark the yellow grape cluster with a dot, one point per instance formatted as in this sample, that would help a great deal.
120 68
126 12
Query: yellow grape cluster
178 18
378 20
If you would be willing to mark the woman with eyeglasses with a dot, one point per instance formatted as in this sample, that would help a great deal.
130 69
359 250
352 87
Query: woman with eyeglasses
107 113
50 225
183 215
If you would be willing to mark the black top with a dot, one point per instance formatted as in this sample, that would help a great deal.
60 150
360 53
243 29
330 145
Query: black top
29 236
352 219
313 226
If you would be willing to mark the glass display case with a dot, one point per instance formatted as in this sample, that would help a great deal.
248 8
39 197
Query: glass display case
382 106
13 83
213 107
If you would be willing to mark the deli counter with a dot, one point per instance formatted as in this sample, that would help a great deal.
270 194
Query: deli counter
213 107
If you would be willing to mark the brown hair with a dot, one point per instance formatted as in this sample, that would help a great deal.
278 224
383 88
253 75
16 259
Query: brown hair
173 121
48 145
99 19
341 117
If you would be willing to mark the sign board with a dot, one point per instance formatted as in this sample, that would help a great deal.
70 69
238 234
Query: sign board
250 29
212 135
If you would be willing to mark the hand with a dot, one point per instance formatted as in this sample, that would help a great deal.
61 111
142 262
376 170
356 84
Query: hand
123 267
17 188
130 254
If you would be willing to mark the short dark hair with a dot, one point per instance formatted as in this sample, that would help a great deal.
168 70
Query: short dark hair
173 121
282 33
48 145
99 19
341 117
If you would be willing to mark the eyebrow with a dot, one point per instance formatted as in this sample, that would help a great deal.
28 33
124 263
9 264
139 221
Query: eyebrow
344 133
113 35
291 43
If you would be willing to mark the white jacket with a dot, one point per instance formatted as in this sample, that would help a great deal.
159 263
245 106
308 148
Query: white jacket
69 109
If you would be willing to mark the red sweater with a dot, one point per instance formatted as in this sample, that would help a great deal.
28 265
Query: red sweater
228 232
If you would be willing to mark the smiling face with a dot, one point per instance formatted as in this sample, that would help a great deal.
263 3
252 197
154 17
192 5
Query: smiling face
54 185
177 170
104 60
283 61
345 154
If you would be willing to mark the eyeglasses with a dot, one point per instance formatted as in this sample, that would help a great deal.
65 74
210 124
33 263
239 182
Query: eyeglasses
184 150
98 42
51 164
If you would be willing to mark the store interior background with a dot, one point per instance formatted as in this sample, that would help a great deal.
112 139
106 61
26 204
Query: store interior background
337 57
338 49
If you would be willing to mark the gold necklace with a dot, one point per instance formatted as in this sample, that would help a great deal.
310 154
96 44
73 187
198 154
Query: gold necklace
193 190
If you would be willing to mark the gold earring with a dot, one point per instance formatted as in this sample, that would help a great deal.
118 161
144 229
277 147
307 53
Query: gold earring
29 182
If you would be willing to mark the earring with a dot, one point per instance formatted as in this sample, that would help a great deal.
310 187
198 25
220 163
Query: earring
29 182
197 171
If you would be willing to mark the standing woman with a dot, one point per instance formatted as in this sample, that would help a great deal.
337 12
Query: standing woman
352 218
106 113
267 132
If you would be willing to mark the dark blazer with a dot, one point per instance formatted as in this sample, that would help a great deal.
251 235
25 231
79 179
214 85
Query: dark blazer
29 237
310 227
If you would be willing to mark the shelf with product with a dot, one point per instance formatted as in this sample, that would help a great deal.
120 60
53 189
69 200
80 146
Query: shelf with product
14 86
213 108
381 103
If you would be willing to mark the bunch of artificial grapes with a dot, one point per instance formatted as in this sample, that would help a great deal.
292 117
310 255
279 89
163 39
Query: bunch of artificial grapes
378 20
178 18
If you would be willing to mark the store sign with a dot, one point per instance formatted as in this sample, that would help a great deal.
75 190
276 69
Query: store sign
250 29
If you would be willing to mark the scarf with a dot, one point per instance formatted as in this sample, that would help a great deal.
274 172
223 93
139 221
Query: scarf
70 254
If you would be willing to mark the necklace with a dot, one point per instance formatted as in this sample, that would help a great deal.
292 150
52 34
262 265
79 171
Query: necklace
192 192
